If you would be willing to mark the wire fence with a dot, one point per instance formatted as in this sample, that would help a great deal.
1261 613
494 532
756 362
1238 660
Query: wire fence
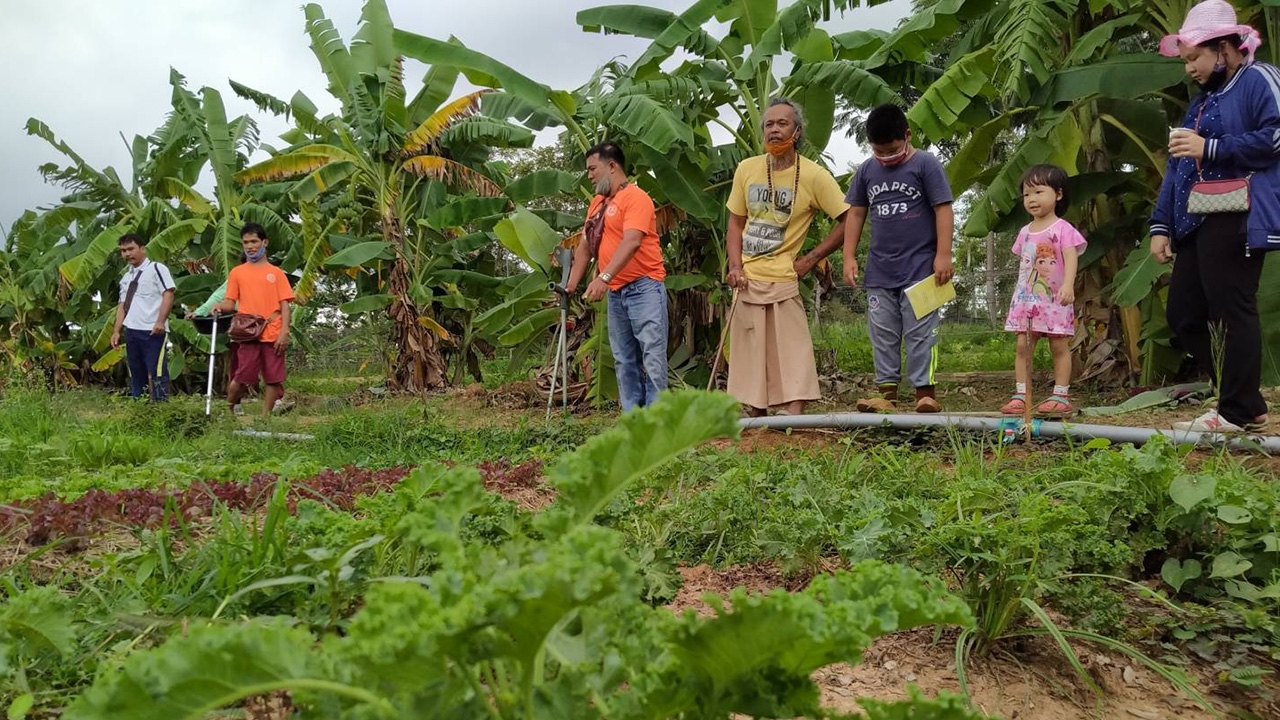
982 301
972 330
971 334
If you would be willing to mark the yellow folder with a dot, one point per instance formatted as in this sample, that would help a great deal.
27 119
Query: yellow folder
927 296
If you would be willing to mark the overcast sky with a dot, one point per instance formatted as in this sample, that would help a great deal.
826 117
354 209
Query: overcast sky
93 69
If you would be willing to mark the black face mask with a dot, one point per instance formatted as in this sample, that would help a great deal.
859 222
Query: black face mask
1216 80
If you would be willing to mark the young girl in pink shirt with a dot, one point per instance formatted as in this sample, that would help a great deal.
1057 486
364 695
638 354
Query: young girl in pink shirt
1044 299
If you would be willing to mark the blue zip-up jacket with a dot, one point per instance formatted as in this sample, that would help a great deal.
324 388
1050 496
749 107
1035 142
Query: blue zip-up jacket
1241 127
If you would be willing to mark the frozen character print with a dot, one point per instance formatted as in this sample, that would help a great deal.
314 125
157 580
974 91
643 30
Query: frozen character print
1043 281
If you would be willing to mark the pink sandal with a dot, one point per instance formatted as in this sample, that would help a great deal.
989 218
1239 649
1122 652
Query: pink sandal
1057 406
1017 405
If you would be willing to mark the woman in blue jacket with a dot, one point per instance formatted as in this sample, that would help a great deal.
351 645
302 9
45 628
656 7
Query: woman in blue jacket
1231 132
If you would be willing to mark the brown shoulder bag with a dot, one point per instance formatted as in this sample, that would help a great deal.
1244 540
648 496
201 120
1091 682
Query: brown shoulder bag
247 327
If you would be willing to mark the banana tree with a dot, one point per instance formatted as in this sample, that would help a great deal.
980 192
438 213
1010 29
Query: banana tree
386 152
119 207
1011 83
226 145
1266 16
206 244
671 118
99 208
1096 100
686 128
37 310
1066 81
165 167
199 235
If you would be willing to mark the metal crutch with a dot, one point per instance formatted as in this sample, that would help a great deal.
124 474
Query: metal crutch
213 350
561 363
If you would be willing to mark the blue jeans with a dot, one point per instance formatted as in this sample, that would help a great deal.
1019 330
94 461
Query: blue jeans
638 338
148 363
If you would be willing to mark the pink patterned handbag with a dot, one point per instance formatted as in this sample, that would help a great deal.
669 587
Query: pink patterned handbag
1210 197
1213 197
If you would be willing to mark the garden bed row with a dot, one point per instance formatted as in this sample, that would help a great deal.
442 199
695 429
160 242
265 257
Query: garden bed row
49 517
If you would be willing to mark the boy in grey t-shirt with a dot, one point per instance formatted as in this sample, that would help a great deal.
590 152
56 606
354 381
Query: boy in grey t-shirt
905 191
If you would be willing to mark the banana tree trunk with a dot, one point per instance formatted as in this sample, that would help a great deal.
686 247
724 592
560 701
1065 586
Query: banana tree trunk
1104 335
419 365
993 312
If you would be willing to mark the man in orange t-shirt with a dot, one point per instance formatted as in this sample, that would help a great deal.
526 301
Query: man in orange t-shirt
256 287
622 230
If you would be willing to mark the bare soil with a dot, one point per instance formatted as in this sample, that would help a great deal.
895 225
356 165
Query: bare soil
525 486
1030 682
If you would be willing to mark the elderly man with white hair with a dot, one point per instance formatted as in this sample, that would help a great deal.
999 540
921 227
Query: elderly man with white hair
771 207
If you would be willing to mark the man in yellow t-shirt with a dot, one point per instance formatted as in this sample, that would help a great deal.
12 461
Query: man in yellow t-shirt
773 201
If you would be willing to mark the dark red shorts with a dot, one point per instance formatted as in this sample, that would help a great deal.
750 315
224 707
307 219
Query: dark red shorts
234 348
254 358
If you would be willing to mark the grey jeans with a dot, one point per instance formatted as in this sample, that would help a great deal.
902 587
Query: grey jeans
891 322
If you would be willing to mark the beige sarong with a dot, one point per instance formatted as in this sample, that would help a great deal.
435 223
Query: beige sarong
770 351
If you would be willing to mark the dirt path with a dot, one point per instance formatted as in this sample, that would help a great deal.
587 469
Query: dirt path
1029 682
1037 685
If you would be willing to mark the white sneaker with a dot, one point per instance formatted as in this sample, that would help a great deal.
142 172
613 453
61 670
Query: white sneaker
237 410
281 407
1210 422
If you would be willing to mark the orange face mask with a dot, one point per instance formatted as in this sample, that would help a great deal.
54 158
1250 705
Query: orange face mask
778 148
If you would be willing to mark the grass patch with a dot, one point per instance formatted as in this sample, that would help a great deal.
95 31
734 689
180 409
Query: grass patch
961 348
76 441
1017 535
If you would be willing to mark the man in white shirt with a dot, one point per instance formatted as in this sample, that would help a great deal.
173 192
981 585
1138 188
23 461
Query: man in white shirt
146 296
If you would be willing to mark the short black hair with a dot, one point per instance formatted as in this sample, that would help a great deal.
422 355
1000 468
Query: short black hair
886 123
1050 176
131 238
253 229
1234 39
609 152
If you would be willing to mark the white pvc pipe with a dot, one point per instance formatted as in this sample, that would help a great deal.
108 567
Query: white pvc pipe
1014 425
296 437
213 349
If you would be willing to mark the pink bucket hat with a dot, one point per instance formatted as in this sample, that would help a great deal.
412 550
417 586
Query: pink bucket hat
1209 20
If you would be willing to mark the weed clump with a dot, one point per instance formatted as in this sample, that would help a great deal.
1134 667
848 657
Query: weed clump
172 420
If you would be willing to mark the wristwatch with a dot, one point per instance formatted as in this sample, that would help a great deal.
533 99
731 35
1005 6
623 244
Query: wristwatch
606 277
